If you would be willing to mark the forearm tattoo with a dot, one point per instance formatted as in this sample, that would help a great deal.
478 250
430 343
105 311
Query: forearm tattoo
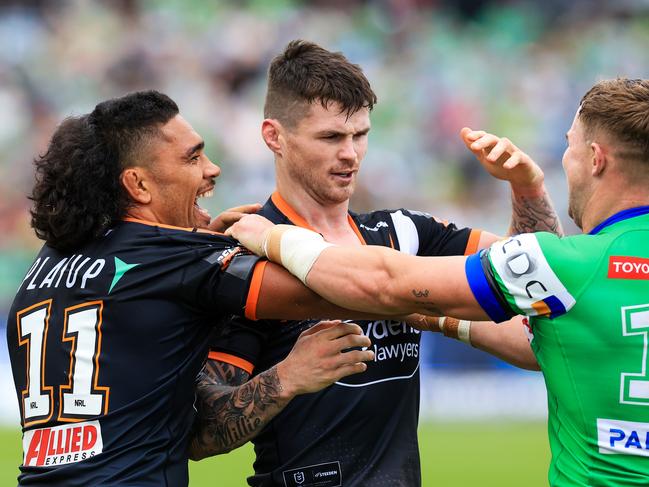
232 409
534 214
429 306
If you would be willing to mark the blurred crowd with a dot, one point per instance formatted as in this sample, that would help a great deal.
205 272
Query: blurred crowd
515 68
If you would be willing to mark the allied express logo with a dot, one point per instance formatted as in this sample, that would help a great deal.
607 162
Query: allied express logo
625 267
61 445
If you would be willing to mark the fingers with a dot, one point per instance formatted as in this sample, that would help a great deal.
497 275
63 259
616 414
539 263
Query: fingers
486 141
231 216
224 220
251 231
470 135
355 356
495 149
249 208
513 161
323 325
350 369
503 147
352 341
342 329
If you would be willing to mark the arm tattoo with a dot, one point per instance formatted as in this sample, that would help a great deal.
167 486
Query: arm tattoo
427 305
420 293
232 409
534 214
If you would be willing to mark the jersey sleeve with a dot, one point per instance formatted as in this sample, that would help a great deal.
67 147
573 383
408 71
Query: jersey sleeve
528 274
421 234
224 278
239 342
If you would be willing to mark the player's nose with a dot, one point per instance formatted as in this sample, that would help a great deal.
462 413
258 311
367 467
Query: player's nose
347 150
211 170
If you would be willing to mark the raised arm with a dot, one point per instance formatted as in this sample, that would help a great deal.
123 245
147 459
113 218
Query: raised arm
232 408
532 209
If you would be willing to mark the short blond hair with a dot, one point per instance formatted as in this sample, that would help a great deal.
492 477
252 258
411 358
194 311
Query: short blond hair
620 109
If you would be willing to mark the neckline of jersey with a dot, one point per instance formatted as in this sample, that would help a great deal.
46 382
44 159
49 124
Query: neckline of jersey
170 227
620 216
296 219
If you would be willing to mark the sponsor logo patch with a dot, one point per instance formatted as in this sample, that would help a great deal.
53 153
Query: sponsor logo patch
625 267
396 353
622 437
321 475
61 445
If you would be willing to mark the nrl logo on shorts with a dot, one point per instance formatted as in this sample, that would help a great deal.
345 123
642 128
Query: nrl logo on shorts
298 477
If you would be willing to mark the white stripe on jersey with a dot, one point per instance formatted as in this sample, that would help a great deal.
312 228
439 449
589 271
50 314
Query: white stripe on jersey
406 233
522 267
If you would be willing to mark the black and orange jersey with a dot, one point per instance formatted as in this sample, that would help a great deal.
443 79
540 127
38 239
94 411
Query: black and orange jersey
105 345
361 430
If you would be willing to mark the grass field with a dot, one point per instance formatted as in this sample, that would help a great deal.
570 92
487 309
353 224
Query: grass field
453 455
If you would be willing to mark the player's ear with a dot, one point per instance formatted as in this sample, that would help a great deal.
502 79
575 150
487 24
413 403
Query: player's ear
271 131
134 181
598 158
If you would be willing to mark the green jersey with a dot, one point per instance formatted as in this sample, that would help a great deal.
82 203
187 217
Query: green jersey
587 297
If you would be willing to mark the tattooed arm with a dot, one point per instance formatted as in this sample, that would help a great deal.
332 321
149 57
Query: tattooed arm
532 209
534 213
232 409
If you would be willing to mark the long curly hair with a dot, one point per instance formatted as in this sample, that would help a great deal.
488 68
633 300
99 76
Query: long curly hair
78 195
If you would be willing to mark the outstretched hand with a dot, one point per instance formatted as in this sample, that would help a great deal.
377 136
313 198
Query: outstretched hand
322 355
503 160
251 231
229 217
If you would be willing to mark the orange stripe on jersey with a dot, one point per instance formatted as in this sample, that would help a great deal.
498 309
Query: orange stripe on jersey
298 221
352 224
255 287
171 227
391 241
289 212
472 244
232 360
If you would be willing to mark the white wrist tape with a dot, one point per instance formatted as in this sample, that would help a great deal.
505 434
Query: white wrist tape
457 329
440 322
464 331
299 248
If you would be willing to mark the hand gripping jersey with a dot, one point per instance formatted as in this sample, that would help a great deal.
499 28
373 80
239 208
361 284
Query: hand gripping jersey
105 345
363 429
588 299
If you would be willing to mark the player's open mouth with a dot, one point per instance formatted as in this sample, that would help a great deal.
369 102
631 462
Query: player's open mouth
345 175
203 215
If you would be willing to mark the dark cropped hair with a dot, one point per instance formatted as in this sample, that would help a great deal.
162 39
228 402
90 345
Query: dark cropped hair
620 108
305 73
78 194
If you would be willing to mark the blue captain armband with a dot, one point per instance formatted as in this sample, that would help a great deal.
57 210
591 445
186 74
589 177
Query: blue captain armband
480 278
